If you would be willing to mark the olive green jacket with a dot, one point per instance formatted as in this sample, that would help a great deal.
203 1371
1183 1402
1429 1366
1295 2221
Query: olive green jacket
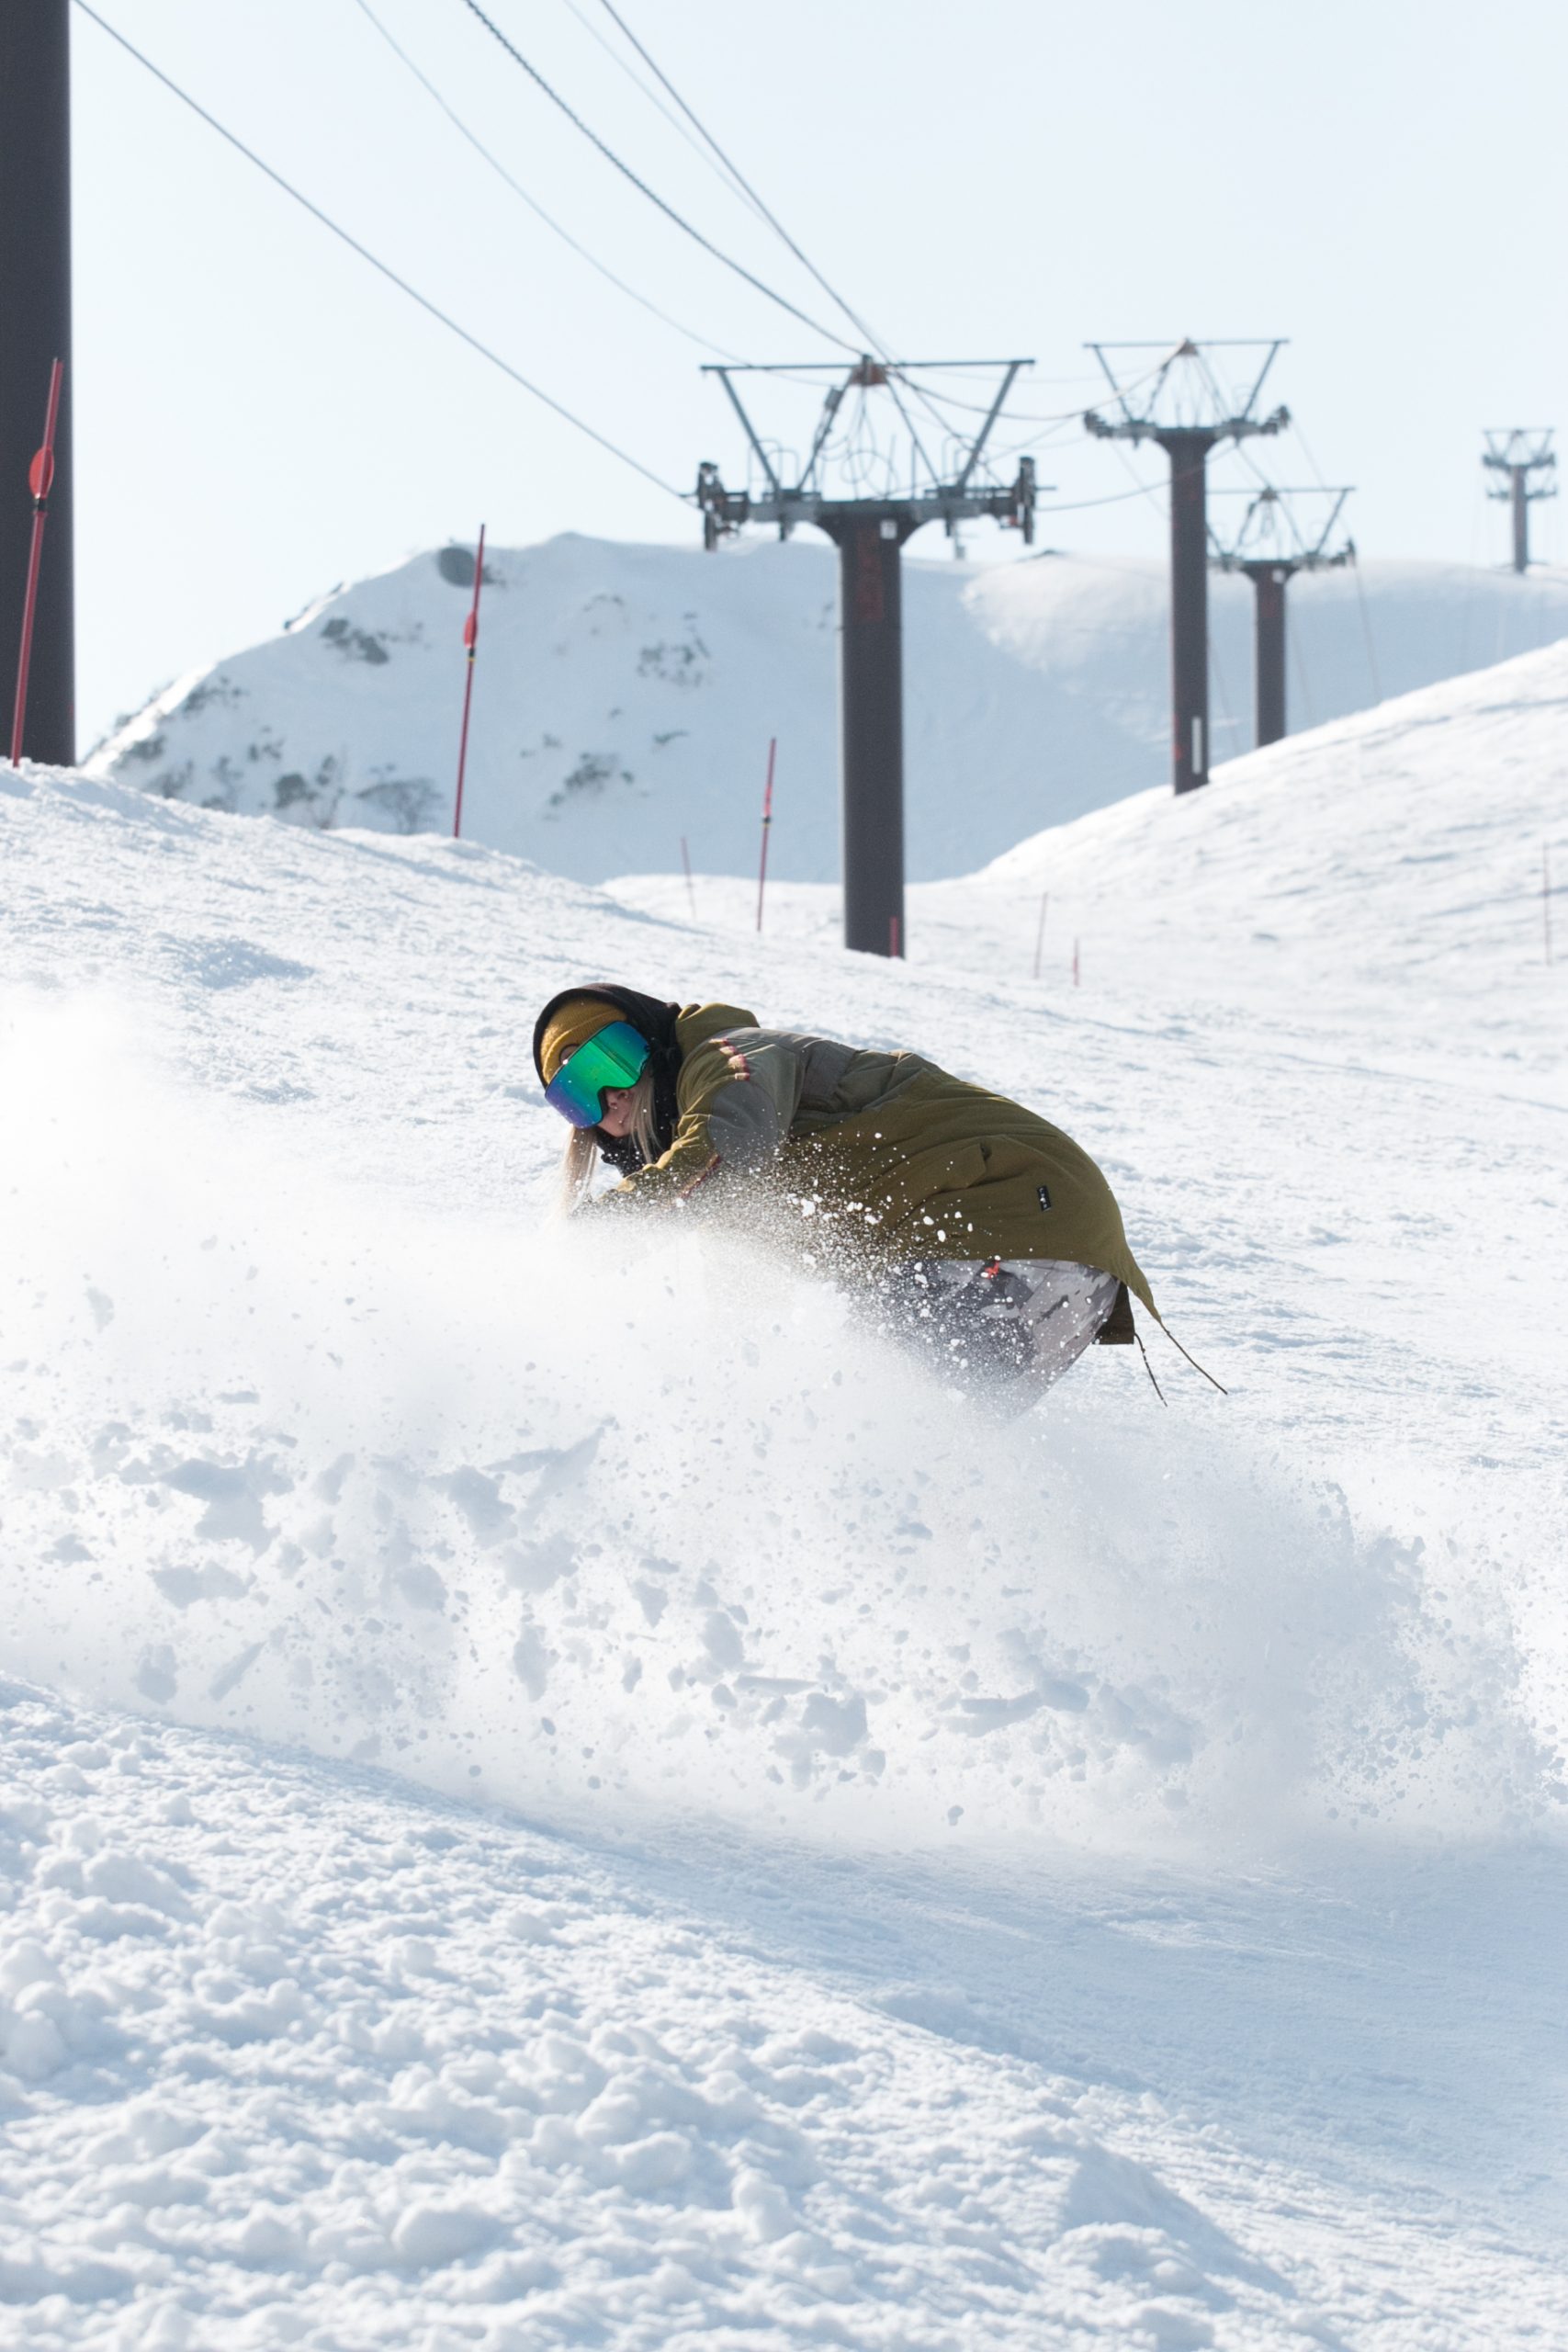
900 1161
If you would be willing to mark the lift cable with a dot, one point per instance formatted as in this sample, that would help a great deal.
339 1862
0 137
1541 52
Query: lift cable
384 271
1117 498
720 173
1145 490
1356 570
653 197
517 188
1023 417
744 184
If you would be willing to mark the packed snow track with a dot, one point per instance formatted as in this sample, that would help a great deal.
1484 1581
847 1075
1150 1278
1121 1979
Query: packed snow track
558 1795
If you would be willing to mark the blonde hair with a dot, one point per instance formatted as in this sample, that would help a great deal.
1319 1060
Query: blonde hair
580 1157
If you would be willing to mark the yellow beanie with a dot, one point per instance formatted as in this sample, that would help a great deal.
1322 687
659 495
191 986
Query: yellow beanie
573 1024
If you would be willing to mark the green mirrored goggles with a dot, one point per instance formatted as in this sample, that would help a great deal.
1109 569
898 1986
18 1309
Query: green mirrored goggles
616 1056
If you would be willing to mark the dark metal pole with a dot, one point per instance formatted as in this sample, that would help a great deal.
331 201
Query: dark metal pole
1187 448
1269 584
35 330
1517 483
872 693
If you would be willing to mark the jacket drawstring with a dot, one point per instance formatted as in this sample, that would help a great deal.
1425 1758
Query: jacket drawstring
1148 1367
1193 1361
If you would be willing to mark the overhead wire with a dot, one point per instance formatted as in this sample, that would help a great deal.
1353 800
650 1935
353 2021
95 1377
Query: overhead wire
384 268
1023 417
1002 456
1062 417
1223 698
1364 610
720 172
930 399
1142 489
1117 498
513 374
1356 568
876 341
533 203
966 374
742 183
688 228
910 429
1068 418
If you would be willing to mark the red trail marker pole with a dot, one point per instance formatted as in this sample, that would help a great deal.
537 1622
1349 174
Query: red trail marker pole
686 863
1075 963
767 822
470 639
41 480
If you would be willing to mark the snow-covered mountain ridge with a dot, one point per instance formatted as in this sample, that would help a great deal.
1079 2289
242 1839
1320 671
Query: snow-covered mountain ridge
556 1794
625 696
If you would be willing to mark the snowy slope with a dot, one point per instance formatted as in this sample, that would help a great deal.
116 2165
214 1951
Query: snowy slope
561 1796
625 696
298 2056
1392 860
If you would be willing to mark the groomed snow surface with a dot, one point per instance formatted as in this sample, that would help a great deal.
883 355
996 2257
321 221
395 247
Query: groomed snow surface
558 1796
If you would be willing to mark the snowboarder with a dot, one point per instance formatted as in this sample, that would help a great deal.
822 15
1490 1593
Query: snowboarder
981 1231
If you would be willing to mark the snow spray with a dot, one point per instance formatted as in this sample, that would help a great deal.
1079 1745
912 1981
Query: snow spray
41 482
432 1490
470 639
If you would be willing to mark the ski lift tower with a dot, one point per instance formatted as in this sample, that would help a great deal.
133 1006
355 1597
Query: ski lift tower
1183 406
869 528
1270 548
35 308
1521 454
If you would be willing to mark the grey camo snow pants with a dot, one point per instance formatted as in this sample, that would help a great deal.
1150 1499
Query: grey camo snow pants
1009 1326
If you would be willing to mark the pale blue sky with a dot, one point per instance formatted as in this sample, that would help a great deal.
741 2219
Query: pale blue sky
259 416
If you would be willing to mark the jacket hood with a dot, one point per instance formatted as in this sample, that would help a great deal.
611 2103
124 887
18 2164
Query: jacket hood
650 1019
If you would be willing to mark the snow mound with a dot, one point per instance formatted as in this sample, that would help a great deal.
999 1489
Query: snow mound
1395 857
625 696
291 2056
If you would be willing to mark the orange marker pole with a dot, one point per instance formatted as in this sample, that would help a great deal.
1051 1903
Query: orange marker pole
41 482
470 639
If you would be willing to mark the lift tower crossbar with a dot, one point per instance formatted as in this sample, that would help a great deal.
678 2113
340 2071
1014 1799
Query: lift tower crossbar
1522 453
869 531
1188 411
1270 548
